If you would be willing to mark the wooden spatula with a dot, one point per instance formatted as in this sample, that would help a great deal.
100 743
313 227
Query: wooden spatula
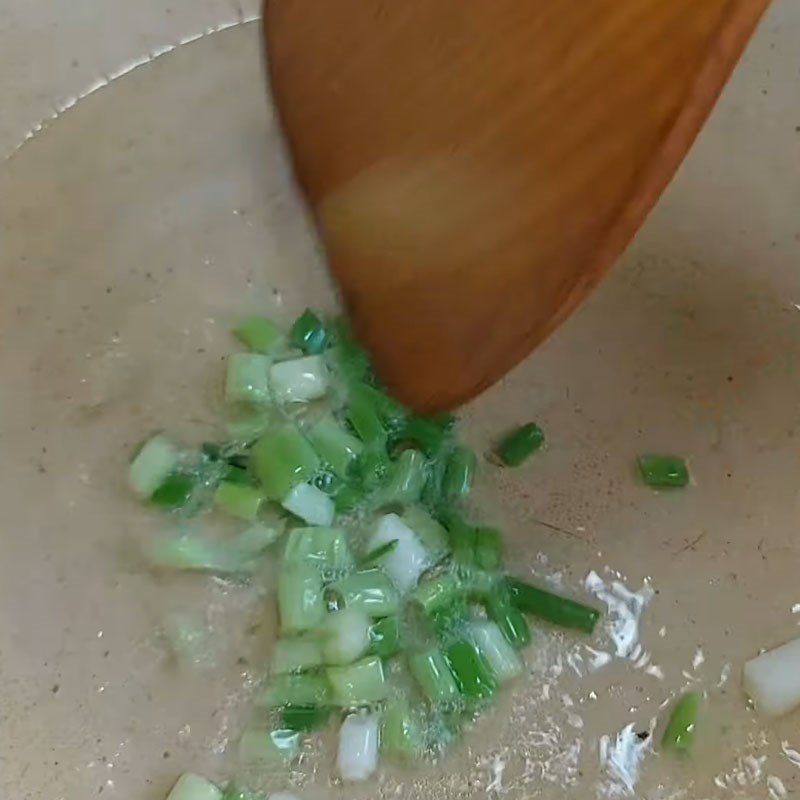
475 166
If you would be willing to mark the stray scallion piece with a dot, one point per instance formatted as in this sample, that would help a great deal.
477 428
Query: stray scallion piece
520 444
174 492
663 471
309 333
259 334
552 607
680 732
194 787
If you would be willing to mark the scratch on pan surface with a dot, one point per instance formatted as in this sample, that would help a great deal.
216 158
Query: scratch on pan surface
129 66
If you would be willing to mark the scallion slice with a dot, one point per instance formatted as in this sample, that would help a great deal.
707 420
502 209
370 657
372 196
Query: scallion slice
299 380
281 459
384 637
664 472
327 548
360 684
459 474
260 334
248 379
295 655
495 649
357 758
681 729
434 676
346 636
407 478
175 492
304 689
369 590
239 500
311 504
552 607
472 674
270 747
401 732
408 559
520 444
304 718
300 601
335 446
156 460
194 787
309 333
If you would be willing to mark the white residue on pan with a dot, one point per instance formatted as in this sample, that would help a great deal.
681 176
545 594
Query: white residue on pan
496 765
624 612
792 755
699 658
621 760
129 66
775 787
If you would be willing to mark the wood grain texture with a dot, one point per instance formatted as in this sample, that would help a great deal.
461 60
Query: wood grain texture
475 167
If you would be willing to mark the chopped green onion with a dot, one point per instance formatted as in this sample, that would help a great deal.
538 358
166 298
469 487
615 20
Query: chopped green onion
373 467
327 548
272 747
348 498
463 540
238 500
309 503
459 473
428 433
235 791
245 428
295 655
408 559
175 492
406 480
359 684
281 459
493 646
194 787
254 540
370 591
248 379
364 418
509 619
401 734
432 535
438 593
304 718
238 475
309 334
357 757
473 675
680 733
152 465
299 380
304 689
488 549
260 334
384 636
201 555
377 553
300 600
520 444
664 472
432 672
335 446
346 636
552 607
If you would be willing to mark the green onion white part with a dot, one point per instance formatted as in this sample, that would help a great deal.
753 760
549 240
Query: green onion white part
406 562
194 787
496 650
346 636
300 600
312 505
156 460
357 758
773 679
299 380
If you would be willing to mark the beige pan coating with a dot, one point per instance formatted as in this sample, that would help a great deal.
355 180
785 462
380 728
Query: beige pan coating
137 227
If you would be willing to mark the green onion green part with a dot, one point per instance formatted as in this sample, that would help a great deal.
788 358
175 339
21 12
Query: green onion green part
459 474
369 590
309 333
552 607
681 728
473 675
520 444
175 492
377 553
384 637
488 549
304 718
359 684
508 618
259 334
300 600
156 460
335 446
663 472
239 500
281 459
304 689
434 676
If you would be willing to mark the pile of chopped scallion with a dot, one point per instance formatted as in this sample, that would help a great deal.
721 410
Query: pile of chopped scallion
397 619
